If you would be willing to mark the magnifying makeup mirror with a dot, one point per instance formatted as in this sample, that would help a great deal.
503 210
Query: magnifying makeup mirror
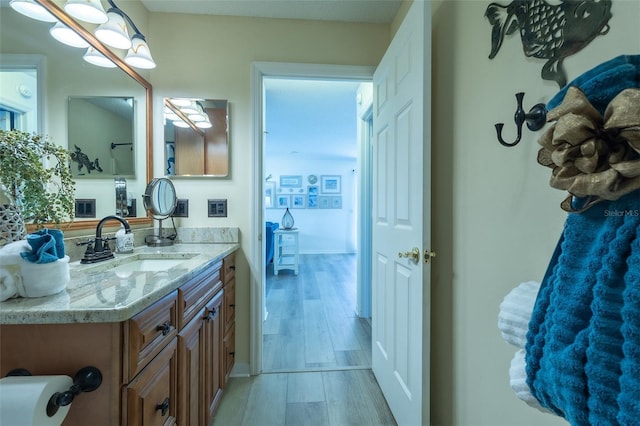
160 200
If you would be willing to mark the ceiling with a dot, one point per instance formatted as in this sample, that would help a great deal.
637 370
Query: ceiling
373 11
311 119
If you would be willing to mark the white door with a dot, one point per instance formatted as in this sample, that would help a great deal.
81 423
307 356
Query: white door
401 218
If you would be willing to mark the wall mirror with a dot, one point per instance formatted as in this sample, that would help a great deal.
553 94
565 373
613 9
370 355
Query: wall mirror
196 137
101 136
66 77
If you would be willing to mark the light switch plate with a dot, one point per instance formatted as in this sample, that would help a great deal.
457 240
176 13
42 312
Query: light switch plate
85 207
217 208
182 208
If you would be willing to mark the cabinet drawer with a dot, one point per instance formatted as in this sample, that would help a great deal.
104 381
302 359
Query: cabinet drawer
148 332
229 355
229 309
152 397
193 295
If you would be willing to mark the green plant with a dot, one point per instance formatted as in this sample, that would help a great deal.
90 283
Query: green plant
36 175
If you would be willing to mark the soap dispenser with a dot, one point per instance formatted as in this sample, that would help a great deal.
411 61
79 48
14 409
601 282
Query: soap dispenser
124 241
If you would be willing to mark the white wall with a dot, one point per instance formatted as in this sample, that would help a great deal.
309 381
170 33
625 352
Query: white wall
322 231
496 220
221 69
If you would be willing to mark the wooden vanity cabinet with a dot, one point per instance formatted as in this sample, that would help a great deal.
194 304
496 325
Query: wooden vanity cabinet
199 350
229 340
164 366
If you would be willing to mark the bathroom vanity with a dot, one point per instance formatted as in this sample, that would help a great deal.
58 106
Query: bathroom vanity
158 324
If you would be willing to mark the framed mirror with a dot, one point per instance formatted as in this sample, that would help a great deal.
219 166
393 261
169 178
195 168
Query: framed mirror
67 76
196 137
101 136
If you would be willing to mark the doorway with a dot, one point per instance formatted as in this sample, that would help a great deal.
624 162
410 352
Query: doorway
350 255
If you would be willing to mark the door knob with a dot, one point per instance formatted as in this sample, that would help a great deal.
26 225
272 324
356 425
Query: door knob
413 254
428 255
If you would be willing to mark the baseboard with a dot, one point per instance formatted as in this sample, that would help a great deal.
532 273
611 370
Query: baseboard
240 369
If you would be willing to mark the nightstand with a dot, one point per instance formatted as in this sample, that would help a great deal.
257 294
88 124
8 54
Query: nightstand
286 254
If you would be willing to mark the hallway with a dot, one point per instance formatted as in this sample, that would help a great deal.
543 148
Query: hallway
311 323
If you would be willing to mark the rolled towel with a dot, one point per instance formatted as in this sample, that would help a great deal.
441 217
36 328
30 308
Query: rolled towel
8 287
44 279
515 313
10 278
518 381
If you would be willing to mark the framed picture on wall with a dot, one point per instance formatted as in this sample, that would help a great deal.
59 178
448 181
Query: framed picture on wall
324 202
313 197
269 194
283 201
330 184
289 181
336 202
298 201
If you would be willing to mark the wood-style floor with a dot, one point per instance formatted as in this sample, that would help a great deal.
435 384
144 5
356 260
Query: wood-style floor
311 323
318 353
327 398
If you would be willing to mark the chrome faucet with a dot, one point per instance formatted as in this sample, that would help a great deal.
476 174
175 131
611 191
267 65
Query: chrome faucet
98 249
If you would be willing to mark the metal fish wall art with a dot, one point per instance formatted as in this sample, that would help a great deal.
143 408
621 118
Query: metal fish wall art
83 161
549 31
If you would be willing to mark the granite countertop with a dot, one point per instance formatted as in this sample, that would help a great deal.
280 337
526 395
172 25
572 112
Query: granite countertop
108 292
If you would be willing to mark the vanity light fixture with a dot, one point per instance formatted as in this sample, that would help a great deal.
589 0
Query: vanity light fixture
180 123
206 124
66 35
139 55
32 9
96 58
112 31
86 10
182 113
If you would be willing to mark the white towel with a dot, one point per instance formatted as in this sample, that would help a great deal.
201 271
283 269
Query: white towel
19 277
10 278
44 279
518 381
515 313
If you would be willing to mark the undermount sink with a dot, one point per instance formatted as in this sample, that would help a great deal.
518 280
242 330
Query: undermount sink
141 262
143 265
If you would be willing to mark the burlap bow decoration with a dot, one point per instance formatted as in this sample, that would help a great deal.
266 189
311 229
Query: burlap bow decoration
593 157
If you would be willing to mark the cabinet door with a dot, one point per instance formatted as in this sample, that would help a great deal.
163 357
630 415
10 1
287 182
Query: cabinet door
229 351
151 397
229 309
213 361
191 358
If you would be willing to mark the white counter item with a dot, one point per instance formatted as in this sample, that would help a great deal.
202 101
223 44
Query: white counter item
124 241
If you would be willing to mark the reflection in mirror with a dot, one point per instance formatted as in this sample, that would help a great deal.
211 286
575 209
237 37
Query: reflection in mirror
101 135
65 74
19 93
161 200
196 135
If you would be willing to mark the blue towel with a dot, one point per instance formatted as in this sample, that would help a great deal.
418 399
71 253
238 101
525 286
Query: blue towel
604 82
47 245
583 343
583 349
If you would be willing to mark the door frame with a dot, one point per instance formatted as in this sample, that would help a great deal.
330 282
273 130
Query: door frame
260 70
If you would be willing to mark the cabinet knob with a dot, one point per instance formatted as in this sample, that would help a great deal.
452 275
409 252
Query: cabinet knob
165 328
164 407
211 315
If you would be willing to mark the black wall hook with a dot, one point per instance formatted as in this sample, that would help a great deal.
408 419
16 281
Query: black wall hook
535 118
